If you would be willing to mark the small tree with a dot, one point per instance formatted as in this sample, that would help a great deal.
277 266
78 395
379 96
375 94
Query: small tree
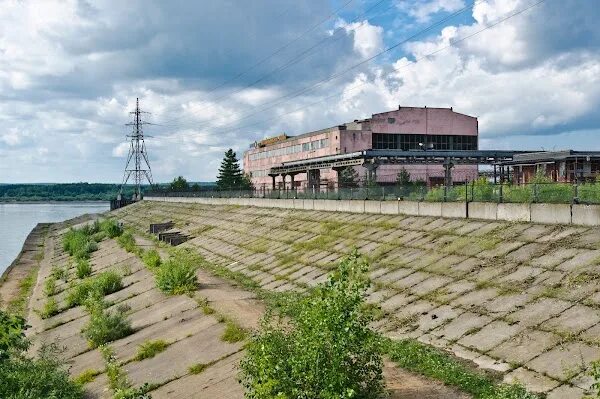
195 187
179 184
348 177
230 175
326 350
403 178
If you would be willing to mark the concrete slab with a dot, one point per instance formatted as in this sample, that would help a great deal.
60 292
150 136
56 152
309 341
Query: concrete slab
573 320
430 209
208 348
551 213
483 210
461 325
539 311
525 346
566 361
454 210
408 208
490 336
533 382
389 207
514 212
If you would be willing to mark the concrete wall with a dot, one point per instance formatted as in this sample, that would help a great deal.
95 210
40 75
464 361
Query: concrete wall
586 215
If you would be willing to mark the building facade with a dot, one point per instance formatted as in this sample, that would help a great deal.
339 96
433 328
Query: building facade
566 166
407 128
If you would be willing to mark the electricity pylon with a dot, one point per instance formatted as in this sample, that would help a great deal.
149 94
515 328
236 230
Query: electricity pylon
137 160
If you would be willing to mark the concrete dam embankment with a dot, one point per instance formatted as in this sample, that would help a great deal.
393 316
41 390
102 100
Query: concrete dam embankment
521 299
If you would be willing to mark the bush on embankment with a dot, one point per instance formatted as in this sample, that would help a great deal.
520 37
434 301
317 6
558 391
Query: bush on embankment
326 350
177 275
24 377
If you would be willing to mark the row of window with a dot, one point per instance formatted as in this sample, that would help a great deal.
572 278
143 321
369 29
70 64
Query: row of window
405 142
259 173
291 149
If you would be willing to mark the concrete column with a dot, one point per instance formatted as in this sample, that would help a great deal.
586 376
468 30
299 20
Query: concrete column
283 176
448 173
273 177
371 171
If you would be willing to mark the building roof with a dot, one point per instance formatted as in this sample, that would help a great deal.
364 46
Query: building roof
553 156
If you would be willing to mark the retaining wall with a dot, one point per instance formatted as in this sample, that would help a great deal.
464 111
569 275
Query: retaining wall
588 215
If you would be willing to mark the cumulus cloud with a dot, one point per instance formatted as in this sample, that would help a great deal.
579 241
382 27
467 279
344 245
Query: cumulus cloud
422 10
368 39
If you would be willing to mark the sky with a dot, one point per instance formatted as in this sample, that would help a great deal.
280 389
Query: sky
221 74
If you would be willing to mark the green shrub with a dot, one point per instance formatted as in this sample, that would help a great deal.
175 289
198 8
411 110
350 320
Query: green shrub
103 284
111 228
25 377
178 274
50 309
152 259
79 243
150 349
233 333
12 335
83 268
325 350
106 326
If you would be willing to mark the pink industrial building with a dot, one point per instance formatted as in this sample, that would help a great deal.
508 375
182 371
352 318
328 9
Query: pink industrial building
407 128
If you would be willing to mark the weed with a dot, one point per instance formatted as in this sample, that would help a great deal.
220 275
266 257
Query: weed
435 363
150 349
86 376
127 242
152 259
106 326
233 333
50 286
111 228
60 273
103 284
178 274
79 243
50 309
83 268
197 368
19 303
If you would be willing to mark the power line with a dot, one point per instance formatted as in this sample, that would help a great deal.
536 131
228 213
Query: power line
293 61
409 63
271 104
279 50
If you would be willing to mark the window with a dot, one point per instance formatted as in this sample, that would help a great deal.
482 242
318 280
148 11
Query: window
391 120
408 142
305 146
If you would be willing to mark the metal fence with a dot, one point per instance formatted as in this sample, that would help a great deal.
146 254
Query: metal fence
476 191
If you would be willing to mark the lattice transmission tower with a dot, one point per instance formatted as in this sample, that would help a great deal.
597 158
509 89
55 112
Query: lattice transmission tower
137 167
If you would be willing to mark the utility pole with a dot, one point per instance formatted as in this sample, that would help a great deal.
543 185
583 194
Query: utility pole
137 159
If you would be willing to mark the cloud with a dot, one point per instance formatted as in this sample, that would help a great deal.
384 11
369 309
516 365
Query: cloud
422 10
368 39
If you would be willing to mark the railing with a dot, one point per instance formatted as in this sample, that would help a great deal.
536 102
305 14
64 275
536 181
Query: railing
578 193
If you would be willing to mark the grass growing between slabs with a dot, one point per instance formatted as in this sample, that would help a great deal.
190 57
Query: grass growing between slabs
149 349
434 363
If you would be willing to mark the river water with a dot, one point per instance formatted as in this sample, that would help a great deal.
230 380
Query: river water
17 220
